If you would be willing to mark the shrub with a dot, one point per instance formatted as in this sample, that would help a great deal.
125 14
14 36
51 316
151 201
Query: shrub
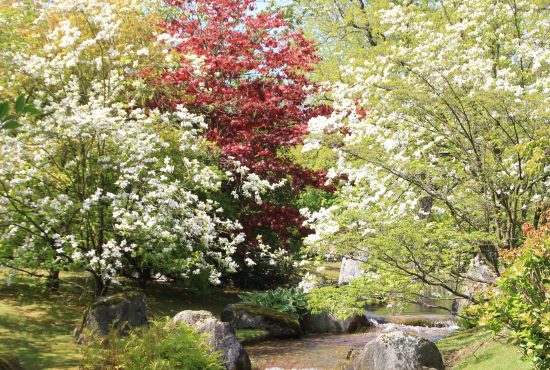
289 300
265 267
521 300
161 346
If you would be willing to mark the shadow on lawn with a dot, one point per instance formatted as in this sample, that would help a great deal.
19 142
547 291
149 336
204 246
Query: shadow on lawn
168 300
36 325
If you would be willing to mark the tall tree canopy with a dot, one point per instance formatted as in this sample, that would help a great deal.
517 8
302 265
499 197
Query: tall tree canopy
443 135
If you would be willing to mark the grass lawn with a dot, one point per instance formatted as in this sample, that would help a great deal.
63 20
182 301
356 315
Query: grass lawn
36 326
475 349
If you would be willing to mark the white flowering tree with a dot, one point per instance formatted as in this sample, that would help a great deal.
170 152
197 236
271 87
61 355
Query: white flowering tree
98 182
442 138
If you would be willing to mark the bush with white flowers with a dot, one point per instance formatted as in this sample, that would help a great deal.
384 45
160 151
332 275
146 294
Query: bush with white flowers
98 182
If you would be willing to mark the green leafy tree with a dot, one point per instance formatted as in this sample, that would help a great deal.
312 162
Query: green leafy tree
344 30
441 138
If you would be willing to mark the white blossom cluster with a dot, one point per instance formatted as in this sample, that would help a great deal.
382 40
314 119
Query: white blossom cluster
249 184
263 253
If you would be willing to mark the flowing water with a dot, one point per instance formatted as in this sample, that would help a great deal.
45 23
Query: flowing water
331 351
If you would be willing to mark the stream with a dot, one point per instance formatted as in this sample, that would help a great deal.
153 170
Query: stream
329 351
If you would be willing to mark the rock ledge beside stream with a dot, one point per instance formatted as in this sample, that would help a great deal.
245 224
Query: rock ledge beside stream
252 316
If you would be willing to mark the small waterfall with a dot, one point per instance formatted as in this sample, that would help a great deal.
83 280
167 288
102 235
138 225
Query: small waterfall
429 328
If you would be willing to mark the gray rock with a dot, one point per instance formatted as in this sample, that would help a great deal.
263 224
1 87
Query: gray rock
399 351
349 269
325 323
477 280
221 337
252 316
121 312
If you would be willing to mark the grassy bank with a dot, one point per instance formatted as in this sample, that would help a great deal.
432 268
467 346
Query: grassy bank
475 349
36 325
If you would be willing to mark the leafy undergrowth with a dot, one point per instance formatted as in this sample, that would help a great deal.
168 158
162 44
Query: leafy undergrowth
36 326
475 349
160 346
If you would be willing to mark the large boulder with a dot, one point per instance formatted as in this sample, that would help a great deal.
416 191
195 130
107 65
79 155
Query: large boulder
477 279
397 350
252 316
326 323
121 312
221 337
349 269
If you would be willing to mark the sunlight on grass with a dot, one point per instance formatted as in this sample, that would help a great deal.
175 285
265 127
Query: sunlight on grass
474 349
39 335
36 326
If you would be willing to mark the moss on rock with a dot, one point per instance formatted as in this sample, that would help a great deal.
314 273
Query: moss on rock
269 314
117 298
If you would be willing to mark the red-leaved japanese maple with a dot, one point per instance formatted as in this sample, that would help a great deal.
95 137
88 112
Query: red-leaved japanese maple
253 89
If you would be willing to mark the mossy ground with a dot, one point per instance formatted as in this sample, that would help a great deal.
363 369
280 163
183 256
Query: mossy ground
36 326
476 349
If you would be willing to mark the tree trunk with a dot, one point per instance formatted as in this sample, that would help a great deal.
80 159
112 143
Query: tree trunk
100 286
53 280
144 277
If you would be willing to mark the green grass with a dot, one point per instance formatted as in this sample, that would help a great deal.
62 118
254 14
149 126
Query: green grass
36 326
475 349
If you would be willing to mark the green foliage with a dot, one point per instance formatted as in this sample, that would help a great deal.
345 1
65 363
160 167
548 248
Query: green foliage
315 199
9 119
339 300
344 30
162 345
289 300
403 260
521 300
250 334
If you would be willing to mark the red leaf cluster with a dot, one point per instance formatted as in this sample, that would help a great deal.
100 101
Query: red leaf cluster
252 88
